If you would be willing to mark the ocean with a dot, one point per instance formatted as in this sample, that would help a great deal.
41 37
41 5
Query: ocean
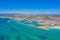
11 29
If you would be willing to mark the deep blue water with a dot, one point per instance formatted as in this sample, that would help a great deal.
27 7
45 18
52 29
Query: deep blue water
14 30
35 23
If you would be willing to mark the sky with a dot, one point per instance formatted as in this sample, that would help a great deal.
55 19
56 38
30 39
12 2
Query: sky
30 6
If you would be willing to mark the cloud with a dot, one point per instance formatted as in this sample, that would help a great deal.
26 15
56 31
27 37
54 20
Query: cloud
30 11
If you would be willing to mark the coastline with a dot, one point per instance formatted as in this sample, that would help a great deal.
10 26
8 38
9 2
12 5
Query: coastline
54 27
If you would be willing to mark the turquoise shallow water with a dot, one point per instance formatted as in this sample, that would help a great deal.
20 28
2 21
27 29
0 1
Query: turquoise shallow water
11 29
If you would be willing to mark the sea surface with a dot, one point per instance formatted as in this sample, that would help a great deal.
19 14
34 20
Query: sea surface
11 29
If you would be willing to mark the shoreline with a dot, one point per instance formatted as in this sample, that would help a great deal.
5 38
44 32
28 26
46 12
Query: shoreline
42 27
55 27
